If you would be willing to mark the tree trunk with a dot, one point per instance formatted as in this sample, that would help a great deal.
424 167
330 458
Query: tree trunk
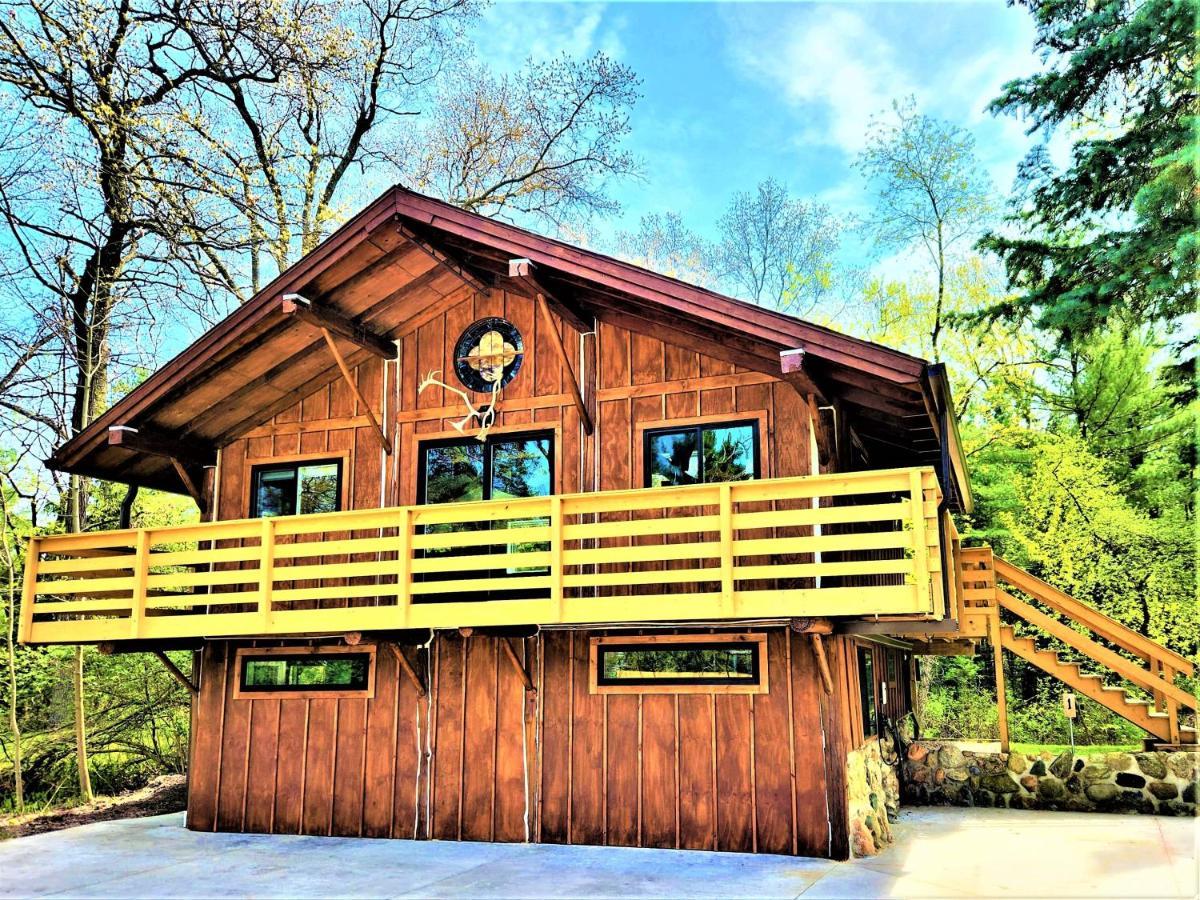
13 724
81 753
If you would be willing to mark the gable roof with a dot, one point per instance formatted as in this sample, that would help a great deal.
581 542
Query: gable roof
406 252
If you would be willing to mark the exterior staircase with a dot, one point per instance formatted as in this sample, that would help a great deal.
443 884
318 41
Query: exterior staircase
993 585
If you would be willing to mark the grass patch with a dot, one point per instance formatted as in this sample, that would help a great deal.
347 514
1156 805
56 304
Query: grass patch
1034 749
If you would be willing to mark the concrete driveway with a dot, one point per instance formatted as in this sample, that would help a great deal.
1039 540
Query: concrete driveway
939 853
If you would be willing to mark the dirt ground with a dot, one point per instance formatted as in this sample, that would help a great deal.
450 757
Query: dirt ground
165 794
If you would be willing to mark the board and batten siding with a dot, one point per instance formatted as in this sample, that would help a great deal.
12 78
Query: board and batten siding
737 772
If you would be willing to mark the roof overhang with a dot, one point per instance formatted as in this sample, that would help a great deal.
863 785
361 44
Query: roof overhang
391 267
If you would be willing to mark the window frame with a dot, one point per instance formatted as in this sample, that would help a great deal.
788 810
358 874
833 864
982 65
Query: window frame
300 693
757 640
868 688
647 431
254 467
550 435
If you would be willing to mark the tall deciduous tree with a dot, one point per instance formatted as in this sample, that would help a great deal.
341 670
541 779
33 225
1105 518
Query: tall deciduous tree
1115 230
665 244
929 191
777 250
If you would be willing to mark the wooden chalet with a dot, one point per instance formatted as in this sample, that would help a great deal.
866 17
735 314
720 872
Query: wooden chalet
503 539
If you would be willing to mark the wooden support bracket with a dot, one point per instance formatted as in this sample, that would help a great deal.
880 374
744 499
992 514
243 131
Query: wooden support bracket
556 338
408 668
469 278
349 378
822 662
506 643
323 317
183 458
175 672
798 373
521 271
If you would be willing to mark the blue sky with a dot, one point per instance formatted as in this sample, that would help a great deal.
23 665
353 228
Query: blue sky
736 92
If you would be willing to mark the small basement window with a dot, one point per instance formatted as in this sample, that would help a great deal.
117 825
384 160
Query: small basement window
866 687
679 664
284 489
329 672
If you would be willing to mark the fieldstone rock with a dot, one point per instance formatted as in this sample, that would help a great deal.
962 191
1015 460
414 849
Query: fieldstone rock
1189 793
1152 764
950 757
960 774
1095 773
1079 764
1163 790
975 770
1061 767
1182 765
1135 801
1102 792
998 784
1017 762
1119 762
992 765
1171 808
918 752
1075 784
1078 804
1038 768
1130 780
1029 782
1051 789
939 776
1026 801
920 776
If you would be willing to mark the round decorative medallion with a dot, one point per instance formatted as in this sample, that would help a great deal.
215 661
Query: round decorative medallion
488 353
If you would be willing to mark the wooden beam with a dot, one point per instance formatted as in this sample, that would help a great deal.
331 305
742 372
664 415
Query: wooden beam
188 482
408 668
798 373
296 307
556 338
465 274
141 440
506 643
998 662
345 370
822 663
175 673
521 271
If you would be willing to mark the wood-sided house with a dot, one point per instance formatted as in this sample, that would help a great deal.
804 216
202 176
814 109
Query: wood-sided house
503 539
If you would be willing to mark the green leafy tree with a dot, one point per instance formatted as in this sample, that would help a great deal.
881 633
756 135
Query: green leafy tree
1115 231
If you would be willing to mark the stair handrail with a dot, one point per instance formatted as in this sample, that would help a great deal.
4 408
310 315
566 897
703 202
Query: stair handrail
1101 654
1106 627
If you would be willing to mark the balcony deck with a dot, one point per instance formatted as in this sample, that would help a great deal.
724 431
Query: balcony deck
865 543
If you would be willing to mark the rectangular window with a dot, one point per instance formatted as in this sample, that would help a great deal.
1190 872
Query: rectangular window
701 454
866 688
679 664
284 489
331 672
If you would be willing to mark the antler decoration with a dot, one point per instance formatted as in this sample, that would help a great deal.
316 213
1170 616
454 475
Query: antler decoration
486 416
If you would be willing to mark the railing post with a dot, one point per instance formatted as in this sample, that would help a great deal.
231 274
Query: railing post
266 572
726 512
141 574
29 590
1156 670
1001 690
556 557
1168 675
404 571
920 548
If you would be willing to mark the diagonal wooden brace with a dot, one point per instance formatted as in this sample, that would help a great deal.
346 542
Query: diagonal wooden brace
349 378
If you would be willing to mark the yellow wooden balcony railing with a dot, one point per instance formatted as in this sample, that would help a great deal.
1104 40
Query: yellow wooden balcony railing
854 544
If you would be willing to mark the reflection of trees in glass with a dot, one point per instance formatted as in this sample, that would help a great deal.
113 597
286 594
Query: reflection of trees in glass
725 454
707 662
318 488
286 490
521 469
348 671
454 473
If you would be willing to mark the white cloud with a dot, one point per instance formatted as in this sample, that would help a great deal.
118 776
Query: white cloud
511 32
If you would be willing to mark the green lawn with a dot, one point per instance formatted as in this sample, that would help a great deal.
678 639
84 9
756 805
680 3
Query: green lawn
1032 749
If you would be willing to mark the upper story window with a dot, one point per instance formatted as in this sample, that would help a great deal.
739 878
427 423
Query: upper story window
284 489
502 467
701 454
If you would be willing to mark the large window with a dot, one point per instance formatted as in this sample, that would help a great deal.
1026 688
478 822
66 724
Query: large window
701 454
704 663
502 467
283 489
306 672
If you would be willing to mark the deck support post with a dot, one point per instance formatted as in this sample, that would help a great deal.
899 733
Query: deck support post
353 385
175 671
998 661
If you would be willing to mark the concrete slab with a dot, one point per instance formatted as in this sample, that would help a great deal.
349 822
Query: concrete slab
939 853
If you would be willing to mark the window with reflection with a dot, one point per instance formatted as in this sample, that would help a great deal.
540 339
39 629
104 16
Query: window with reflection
866 687
678 664
284 489
503 467
701 454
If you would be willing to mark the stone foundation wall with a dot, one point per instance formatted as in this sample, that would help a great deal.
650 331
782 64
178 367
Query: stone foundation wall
873 785
938 772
